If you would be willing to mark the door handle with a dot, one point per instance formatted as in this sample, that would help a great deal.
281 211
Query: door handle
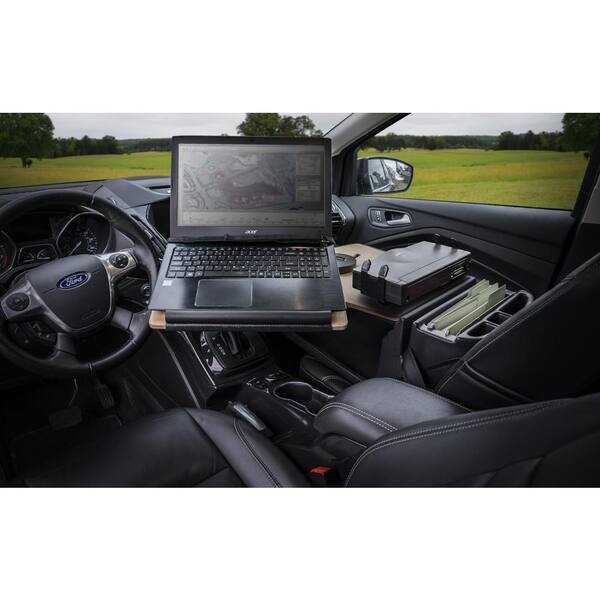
398 219
381 217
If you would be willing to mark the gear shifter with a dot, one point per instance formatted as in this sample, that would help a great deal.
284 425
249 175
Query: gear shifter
233 340
233 349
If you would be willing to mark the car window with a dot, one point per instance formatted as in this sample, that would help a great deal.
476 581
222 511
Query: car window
534 160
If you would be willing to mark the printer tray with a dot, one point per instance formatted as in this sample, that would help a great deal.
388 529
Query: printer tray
402 275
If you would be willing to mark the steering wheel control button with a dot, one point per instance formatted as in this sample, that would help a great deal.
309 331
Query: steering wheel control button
18 301
120 261
41 332
146 291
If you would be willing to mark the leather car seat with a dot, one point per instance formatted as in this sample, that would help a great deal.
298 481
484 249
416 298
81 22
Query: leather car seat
551 349
552 443
547 444
179 447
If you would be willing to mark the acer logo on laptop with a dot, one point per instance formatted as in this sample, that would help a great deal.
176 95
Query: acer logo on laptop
251 232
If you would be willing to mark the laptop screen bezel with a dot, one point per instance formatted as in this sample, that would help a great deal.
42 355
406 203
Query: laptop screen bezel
225 233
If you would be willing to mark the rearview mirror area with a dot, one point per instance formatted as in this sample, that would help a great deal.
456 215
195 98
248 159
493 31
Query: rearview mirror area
383 175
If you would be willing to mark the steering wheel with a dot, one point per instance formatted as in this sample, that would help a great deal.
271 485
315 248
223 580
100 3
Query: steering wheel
71 298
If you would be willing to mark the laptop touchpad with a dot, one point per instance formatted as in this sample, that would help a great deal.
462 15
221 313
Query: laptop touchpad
231 293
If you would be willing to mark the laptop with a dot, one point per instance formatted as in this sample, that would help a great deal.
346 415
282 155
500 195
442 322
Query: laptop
250 242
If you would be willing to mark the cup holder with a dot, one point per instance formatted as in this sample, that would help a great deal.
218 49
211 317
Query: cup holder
481 329
498 318
302 394
519 301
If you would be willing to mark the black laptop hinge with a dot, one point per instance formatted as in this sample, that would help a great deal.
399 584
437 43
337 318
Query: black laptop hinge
324 241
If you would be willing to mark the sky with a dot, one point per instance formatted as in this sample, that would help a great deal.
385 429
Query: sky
141 125
161 125
476 123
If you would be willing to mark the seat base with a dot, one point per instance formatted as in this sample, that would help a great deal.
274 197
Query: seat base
180 447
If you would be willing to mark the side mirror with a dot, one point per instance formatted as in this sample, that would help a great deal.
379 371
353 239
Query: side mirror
383 175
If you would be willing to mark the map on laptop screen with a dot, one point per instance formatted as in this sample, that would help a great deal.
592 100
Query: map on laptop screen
250 186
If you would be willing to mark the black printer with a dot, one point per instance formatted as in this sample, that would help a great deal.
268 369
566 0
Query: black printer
402 275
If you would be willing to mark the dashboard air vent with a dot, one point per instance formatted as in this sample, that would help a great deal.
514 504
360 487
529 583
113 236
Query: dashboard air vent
337 219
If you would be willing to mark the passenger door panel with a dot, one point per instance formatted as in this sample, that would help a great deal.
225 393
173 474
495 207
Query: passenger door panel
521 245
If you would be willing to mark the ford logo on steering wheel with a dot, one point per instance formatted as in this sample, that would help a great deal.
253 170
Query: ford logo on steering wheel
73 281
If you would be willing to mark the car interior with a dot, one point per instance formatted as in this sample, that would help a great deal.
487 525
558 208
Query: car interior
92 395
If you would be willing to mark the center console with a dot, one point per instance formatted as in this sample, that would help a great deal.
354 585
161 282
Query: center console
290 407
285 400
237 370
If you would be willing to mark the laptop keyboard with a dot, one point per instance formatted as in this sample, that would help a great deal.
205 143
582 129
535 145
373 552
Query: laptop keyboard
202 262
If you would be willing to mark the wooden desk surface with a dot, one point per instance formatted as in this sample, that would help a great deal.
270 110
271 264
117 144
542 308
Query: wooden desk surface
389 312
354 298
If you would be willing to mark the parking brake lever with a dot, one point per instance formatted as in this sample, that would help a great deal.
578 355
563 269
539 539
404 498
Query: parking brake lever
242 411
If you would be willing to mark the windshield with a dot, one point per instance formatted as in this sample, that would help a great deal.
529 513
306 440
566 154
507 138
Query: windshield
40 148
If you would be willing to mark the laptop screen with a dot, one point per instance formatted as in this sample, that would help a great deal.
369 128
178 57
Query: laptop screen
251 186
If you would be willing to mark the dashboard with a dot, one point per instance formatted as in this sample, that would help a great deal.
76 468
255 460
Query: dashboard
41 237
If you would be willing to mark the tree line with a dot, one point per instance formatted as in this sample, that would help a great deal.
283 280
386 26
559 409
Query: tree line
108 145
507 140
395 141
579 134
145 145
31 135
86 145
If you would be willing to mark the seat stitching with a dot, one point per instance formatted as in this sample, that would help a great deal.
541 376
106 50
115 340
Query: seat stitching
484 419
429 393
451 428
362 413
359 413
250 449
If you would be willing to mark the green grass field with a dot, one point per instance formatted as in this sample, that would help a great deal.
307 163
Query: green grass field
510 177
84 168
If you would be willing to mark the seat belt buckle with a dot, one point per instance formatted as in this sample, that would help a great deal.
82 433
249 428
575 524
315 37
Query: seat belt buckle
324 477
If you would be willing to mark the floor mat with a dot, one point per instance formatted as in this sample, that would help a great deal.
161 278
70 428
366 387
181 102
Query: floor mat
42 419
34 447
